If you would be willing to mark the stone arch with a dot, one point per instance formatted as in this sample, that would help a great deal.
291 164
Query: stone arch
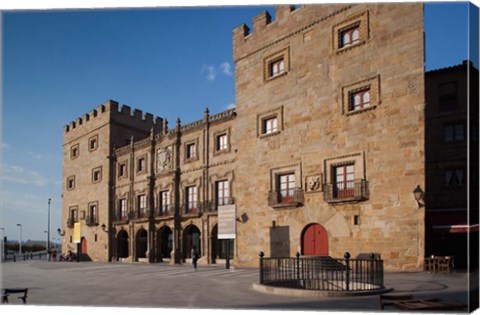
191 237
164 243
141 244
122 244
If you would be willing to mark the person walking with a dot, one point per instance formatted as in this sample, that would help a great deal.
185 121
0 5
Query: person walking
194 257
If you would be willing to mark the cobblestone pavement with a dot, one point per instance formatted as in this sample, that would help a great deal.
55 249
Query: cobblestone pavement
180 287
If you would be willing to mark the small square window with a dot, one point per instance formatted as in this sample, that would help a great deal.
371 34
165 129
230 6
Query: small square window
359 99
74 151
70 182
222 142
454 132
349 36
97 175
276 65
141 164
270 125
122 169
361 96
93 143
191 149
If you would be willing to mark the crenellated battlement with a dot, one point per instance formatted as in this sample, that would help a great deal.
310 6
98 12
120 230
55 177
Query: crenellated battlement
111 111
289 20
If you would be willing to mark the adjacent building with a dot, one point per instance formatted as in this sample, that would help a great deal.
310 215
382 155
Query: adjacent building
321 155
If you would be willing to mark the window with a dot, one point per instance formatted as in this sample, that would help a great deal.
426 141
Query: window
353 32
276 65
454 178
142 205
222 142
74 214
191 151
71 182
269 125
122 169
286 188
93 143
359 99
164 202
350 36
454 132
122 205
447 96
97 175
344 181
222 193
191 199
141 164
74 151
92 217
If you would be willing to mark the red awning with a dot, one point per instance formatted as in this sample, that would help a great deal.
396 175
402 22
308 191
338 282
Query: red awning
452 221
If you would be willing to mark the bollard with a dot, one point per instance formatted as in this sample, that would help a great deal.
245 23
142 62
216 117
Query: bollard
298 266
261 267
14 258
347 276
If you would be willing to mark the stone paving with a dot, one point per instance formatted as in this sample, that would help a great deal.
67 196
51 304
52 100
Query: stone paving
211 287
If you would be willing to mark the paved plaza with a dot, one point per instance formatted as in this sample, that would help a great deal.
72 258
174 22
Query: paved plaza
179 286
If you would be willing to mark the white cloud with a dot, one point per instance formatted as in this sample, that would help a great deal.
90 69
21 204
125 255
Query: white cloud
210 70
5 145
20 175
226 69
230 106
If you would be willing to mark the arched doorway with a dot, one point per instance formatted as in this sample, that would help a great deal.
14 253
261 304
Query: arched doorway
219 246
164 243
315 240
83 246
122 244
191 237
141 244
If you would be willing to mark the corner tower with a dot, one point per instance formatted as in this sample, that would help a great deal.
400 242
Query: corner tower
88 146
330 131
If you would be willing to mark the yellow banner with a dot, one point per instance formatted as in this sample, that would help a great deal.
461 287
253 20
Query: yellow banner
77 232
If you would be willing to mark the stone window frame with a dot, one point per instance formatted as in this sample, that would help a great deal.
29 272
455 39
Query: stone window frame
74 148
99 170
123 163
371 84
274 192
357 159
216 136
360 21
187 144
118 212
71 210
263 117
283 54
70 182
137 164
160 201
215 178
89 212
93 140
197 182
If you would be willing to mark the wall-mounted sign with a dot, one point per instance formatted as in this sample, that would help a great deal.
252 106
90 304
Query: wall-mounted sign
227 216
77 232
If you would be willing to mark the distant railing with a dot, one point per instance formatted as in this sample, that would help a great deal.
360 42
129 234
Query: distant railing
91 220
292 198
322 273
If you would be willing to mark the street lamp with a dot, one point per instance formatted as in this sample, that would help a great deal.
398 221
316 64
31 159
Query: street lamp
46 241
2 248
20 249
48 226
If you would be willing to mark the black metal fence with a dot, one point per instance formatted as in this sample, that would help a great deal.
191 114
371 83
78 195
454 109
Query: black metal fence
323 273
25 256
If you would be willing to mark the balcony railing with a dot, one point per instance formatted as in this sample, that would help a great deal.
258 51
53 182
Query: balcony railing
277 199
91 220
121 218
71 222
165 211
354 190
139 214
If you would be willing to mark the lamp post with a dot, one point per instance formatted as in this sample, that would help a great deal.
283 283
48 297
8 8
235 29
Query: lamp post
48 229
20 242
2 248
46 241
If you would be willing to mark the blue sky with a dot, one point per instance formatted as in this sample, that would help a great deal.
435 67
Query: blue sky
171 62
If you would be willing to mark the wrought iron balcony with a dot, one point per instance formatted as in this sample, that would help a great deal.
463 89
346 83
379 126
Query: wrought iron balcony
91 220
121 218
71 222
139 214
293 198
354 190
165 211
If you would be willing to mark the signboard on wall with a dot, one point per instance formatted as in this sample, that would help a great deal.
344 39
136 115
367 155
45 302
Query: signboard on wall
227 216
77 232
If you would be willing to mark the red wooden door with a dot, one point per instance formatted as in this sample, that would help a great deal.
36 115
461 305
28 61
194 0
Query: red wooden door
83 246
315 241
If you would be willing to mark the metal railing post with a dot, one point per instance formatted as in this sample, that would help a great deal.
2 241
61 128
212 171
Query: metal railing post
347 276
261 267
298 266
